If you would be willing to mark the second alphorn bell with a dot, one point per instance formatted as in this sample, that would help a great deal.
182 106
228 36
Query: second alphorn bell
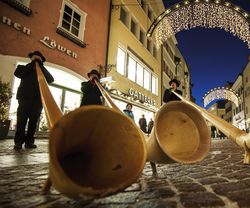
235 134
180 133
93 151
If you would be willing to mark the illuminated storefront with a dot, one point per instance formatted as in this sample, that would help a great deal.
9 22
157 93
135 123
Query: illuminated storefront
65 90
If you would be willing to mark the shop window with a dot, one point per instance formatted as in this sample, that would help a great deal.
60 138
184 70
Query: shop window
124 16
65 90
120 59
72 23
131 69
146 81
139 74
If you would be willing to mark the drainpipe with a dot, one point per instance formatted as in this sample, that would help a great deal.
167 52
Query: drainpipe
107 46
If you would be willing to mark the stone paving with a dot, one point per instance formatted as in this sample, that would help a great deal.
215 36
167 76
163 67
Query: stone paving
221 180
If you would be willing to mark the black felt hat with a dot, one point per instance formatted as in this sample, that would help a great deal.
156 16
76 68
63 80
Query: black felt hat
94 71
38 53
175 81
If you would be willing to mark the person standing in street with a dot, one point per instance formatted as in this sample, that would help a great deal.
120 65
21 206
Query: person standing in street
91 95
128 111
168 97
29 100
143 123
150 125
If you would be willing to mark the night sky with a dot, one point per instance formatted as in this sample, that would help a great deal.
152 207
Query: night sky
214 56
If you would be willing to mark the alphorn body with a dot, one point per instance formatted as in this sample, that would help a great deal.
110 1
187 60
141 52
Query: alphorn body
235 134
93 151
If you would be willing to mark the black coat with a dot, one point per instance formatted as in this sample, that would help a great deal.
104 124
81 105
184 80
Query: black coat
29 87
169 96
91 94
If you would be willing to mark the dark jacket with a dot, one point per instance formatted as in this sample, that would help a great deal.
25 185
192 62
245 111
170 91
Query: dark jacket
91 94
143 124
29 87
169 96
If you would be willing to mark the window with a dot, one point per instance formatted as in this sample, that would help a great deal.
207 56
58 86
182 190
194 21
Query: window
139 74
154 85
154 51
21 5
124 16
121 57
133 27
146 82
24 2
131 69
150 14
65 90
246 79
149 45
72 22
142 37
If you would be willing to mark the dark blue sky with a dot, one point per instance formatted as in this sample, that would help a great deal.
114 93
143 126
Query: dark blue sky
214 55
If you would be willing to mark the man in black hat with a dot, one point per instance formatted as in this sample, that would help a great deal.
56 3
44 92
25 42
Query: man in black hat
168 95
29 100
90 91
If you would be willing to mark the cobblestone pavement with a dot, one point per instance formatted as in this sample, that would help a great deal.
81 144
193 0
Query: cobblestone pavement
221 180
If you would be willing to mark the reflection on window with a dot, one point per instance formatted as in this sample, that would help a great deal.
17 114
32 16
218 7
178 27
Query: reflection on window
63 78
139 75
146 79
121 55
72 101
131 69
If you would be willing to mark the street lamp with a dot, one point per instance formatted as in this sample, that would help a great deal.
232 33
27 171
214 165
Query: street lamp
177 61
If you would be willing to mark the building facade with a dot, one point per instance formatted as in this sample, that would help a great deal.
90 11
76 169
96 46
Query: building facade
246 86
71 34
136 77
238 113
175 66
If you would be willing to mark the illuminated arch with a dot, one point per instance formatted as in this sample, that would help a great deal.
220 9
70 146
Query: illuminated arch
201 13
221 93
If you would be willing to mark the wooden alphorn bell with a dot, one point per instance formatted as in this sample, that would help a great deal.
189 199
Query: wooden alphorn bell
235 134
93 151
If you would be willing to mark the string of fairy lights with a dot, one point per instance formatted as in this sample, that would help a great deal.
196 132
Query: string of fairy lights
221 93
201 13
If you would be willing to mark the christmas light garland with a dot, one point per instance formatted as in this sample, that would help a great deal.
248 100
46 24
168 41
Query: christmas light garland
201 13
221 93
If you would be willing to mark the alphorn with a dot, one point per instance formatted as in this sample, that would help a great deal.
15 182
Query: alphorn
180 133
91 149
235 134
